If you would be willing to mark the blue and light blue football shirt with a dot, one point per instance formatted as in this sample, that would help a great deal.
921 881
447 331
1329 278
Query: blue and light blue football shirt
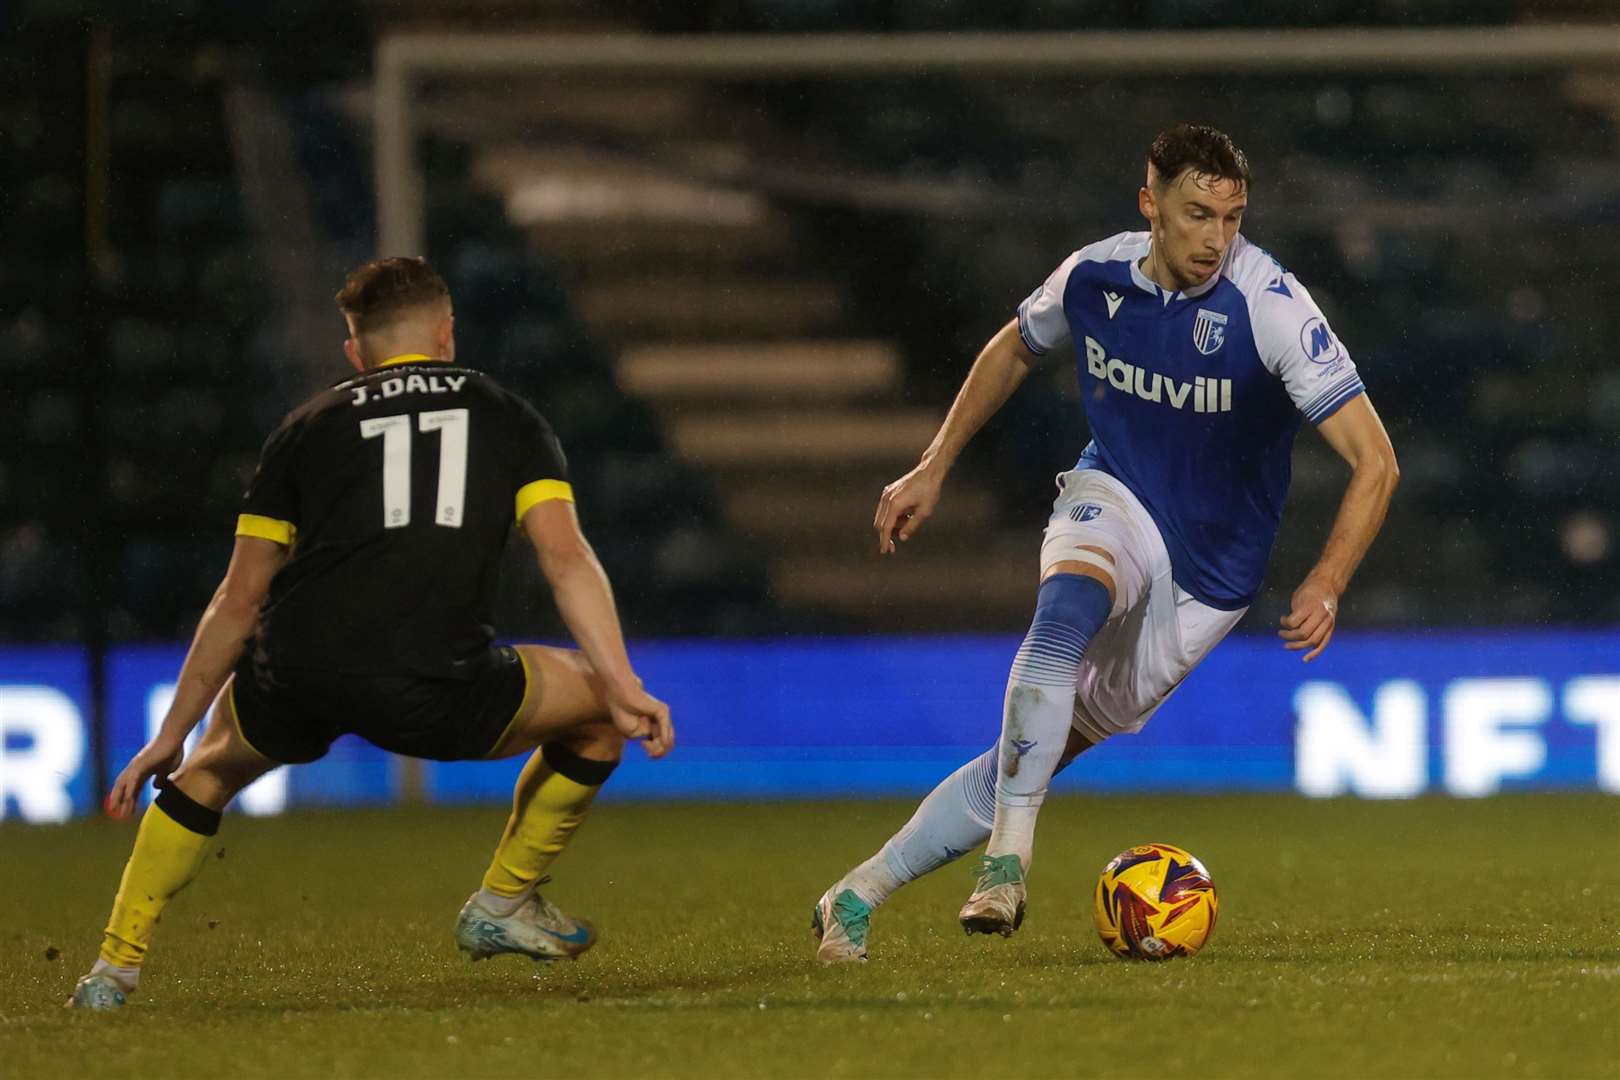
1194 397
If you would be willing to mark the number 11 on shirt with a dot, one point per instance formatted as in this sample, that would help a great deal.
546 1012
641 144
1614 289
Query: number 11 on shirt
451 424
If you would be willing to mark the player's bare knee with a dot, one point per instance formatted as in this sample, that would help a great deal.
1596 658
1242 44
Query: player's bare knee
214 771
596 741
219 767
606 744
207 782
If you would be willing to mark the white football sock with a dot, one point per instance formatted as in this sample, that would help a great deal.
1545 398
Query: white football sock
501 906
953 820
127 977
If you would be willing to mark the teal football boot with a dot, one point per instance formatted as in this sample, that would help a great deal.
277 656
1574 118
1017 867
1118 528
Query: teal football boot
841 924
997 903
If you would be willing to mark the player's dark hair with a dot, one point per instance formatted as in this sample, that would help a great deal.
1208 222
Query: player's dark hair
378 292
1199 147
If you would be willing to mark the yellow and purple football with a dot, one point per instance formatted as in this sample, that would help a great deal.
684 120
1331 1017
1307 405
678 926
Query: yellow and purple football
1155 901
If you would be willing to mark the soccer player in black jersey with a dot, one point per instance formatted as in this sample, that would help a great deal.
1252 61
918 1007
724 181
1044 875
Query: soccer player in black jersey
358 600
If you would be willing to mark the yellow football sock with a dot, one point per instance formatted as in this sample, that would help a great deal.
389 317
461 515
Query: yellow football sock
174 836
552 796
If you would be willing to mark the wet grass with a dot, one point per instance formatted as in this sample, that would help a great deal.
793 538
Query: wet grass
1426 938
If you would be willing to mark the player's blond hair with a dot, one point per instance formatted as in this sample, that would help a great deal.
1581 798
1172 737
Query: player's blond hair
379 292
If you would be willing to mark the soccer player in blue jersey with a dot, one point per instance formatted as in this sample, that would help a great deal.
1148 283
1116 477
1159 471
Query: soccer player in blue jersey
1198 356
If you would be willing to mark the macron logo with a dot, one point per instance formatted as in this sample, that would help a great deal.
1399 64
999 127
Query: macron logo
1208 395
1113 300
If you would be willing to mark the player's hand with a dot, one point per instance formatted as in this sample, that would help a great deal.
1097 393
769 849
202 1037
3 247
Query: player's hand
158 758
905 505
1310 624
638 715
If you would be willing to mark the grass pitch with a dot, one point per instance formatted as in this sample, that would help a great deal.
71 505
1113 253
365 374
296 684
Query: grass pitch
1427 938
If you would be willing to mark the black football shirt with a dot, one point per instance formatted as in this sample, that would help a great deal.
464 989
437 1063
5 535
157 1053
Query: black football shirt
396 490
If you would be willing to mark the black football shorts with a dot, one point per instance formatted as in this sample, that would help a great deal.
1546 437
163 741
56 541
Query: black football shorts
292 715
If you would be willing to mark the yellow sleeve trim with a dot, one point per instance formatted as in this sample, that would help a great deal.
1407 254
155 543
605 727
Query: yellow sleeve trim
267 528
531 495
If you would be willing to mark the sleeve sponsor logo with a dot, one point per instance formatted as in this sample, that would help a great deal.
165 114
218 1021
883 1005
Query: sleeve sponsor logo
1318 342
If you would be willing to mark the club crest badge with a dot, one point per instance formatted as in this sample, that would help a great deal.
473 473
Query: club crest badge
1209 331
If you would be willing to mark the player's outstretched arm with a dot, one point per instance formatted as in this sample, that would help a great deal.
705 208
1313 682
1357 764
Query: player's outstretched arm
1359 437
909 501
585 599
221 634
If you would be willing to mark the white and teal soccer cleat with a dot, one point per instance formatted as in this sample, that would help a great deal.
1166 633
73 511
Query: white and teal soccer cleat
841 924
538 929
99 991
997 903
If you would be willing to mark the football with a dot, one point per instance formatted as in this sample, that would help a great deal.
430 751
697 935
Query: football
1155 901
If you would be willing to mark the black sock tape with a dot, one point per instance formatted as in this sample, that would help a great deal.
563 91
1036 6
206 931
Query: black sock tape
578 769
188 813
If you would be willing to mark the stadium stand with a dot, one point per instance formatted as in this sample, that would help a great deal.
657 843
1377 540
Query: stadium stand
1497 382
43 463
678 274
143 421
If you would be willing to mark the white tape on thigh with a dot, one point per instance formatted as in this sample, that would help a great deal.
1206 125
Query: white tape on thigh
1089 558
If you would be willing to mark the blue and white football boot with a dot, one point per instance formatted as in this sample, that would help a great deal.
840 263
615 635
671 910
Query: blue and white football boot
538 929
841 923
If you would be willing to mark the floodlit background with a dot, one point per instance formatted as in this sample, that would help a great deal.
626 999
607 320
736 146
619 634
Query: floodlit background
744 292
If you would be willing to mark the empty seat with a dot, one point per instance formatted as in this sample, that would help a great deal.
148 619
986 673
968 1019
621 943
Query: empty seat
55 418
193 206
140 348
